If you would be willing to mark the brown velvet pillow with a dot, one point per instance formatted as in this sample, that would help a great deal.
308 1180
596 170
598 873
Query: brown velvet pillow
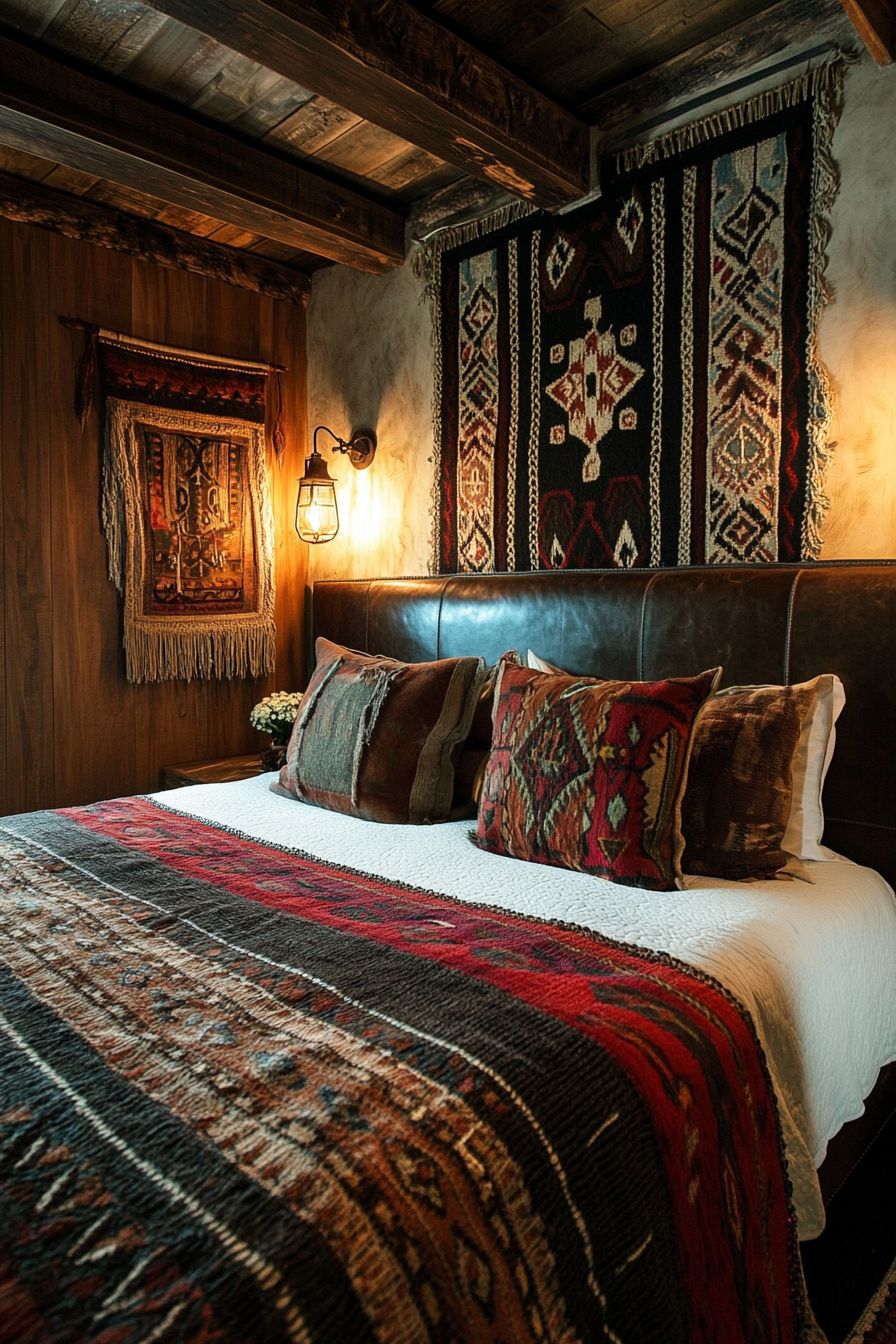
738 796
588 774
376 738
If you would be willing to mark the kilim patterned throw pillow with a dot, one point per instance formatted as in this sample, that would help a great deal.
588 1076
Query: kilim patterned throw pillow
587 774
377 738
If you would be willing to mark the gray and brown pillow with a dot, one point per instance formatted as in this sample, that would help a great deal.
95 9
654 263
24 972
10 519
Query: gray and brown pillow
377 738
737 800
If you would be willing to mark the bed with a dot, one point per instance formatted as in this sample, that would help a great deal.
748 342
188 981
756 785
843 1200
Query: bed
274 1072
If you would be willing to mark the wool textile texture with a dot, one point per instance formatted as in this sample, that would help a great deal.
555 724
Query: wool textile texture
636 382
377 738
259 1098
588 774
737 802
186 511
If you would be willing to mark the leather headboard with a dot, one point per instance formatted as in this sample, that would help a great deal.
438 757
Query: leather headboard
769 623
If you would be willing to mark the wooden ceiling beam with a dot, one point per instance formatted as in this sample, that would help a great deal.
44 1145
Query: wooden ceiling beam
875 23
406 73
85 122
631 108
76 217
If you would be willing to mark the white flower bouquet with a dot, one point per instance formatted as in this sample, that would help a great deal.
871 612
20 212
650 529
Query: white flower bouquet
276 713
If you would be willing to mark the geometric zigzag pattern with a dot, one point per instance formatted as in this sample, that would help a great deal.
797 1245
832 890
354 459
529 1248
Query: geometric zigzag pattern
635 382
478 421
744 438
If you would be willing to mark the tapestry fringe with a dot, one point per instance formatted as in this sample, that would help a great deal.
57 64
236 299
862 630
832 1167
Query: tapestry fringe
825 184
244 649
825 80
434 289
453 236
161 648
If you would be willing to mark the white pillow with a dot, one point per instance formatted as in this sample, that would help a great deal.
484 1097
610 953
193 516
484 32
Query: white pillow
818 737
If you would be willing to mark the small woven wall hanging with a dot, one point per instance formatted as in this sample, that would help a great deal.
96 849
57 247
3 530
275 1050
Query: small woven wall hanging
636 382
185 507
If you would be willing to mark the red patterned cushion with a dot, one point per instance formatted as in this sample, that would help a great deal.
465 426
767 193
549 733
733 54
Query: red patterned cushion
378 738
587 774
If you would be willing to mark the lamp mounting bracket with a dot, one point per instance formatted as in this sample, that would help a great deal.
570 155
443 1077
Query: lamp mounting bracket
360 446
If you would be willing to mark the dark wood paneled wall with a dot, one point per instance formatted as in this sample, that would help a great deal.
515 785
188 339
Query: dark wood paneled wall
72 729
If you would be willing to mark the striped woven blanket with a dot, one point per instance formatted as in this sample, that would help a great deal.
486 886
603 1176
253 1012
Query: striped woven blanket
248 1097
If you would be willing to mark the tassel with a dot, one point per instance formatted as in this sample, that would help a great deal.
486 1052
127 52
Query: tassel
85 376
279 432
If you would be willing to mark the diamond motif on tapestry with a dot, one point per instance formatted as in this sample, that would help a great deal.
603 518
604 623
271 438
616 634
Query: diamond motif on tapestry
744 229
479 313
740 529
558 260
743 456
630 223
597 378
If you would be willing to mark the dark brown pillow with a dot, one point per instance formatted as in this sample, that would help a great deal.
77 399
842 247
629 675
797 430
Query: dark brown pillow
376 738
738 795
469 767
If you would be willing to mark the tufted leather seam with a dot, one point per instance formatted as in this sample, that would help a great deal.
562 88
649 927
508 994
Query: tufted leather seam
790 603
653 578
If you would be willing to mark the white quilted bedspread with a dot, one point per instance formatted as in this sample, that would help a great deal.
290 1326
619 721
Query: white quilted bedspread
815 964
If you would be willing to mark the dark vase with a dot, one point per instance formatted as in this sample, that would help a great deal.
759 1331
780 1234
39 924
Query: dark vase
274 756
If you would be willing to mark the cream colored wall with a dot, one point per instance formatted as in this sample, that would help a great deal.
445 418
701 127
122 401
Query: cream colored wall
858 331
370 365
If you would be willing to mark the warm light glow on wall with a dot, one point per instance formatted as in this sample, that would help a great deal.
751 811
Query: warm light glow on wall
859 348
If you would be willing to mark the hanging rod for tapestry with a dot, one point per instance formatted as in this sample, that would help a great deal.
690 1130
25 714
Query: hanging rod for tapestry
86 372
171 351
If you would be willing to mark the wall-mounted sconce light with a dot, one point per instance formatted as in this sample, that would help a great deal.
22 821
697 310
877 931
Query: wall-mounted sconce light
317 518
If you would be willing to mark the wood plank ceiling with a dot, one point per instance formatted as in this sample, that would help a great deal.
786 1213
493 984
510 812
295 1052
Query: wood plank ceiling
271 136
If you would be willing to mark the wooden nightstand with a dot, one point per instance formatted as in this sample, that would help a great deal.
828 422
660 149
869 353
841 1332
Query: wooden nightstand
220 771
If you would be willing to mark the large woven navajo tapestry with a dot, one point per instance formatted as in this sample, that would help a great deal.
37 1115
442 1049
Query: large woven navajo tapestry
185 507
635 382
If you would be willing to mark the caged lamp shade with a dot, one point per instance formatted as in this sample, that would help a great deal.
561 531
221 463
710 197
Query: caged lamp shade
317 518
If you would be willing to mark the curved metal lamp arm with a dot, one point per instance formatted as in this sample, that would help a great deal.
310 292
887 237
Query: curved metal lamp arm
361 447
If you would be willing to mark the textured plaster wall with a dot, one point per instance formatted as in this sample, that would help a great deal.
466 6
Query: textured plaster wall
858 331
370 365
